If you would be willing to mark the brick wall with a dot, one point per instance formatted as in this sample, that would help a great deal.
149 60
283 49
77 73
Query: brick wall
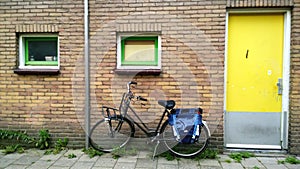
33 102
259 3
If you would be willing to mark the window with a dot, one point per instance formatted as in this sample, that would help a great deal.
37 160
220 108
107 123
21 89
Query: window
38 52
139 52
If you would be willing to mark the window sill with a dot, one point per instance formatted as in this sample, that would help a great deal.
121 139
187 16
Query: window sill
138 71
37 71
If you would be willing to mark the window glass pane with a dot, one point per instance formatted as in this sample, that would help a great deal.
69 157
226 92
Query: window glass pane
42 50
139 50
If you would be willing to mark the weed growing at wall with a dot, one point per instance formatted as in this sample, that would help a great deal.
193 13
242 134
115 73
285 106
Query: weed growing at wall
43 140
13 148
16 135
239 156
290 160
60 145
92 152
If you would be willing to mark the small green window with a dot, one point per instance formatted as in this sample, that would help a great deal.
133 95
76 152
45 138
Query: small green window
139 51
41 51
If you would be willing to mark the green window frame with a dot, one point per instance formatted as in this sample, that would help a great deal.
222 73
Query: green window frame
153 62
29 62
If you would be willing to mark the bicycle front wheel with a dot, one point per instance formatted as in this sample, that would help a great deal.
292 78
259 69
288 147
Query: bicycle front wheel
183 149
107 135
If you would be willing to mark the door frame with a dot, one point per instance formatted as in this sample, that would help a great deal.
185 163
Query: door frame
285 71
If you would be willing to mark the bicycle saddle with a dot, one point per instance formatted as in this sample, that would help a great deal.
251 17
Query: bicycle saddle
168 104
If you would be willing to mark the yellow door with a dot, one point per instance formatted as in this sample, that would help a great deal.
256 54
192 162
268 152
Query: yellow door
253 84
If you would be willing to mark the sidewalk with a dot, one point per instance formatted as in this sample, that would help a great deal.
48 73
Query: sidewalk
35 159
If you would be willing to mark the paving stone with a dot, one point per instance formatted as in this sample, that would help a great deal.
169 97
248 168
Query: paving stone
76 152
58 167
251 162
35 159
40 164
98 167
107 155
131 159
268 160
209 162
16 166
166 166
292 166
146 163
144 154
86 158
13 156
51 157
274 166
35 152
4 162
64 162
231 165
188 164
105 162
82 164
212 167
165 161
223 157
27 160
124 165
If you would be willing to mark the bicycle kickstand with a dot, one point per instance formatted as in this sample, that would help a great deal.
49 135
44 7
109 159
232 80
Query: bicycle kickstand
155 149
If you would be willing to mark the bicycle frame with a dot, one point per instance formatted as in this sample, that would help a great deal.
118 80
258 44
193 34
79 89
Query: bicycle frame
125 106
143 126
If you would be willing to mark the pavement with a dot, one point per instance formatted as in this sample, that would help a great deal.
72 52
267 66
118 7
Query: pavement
35 159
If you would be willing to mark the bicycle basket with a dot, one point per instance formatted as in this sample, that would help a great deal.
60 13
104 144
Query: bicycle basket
186 124
124 104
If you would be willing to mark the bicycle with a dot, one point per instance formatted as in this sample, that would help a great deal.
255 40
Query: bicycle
117 127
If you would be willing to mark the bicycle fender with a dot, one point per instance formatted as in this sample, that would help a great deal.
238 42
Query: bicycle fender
205 124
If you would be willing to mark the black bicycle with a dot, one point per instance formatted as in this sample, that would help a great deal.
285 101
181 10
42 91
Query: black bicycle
117 127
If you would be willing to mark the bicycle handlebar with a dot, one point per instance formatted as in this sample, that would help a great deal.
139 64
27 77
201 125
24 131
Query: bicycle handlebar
141 98
129 91
130 83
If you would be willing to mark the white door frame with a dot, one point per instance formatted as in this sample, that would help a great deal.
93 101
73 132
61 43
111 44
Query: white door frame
285 72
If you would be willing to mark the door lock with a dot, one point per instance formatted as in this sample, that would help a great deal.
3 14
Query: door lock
279 85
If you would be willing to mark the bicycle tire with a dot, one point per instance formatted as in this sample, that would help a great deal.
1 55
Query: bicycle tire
183 149
101 138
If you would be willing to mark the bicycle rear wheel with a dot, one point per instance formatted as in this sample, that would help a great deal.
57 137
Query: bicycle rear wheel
108 135
184 149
